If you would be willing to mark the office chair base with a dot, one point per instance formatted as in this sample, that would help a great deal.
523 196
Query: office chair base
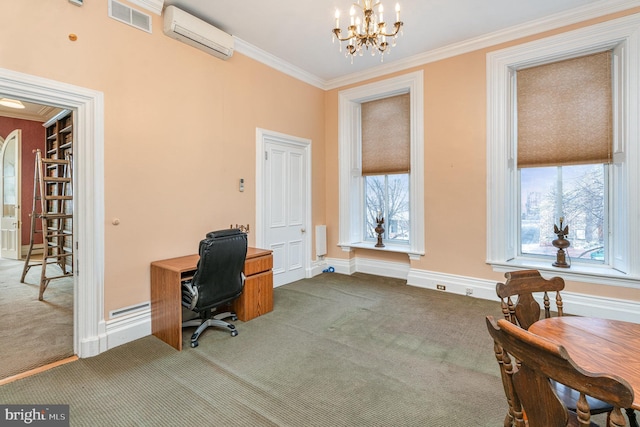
633 422
213 321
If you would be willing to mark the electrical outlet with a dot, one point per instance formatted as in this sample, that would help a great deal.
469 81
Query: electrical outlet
441 287
469 291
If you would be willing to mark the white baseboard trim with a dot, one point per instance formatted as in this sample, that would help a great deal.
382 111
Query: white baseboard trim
136 325
342 266
317 267
461 285
397 270
131 327
93 345
574 303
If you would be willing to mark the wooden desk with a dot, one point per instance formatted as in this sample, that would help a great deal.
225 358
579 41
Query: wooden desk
167 275
598 345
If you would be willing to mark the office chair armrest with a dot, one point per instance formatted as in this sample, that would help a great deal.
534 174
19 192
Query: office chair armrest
189 295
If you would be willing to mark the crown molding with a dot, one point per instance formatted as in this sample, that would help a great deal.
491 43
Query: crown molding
154 6
274 62
552 22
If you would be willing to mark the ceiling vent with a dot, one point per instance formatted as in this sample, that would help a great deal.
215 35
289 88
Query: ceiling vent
195 32
123 13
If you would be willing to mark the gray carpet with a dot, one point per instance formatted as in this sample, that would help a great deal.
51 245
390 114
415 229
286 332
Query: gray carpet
337 350
33 333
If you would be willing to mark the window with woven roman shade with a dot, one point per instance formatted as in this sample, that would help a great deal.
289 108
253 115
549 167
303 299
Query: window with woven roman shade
564 113
386 136
564 144
591 178
393 113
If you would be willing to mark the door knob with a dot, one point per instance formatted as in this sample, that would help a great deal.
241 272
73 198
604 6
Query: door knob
304 230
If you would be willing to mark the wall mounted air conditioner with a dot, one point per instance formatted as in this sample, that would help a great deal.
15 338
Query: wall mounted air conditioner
193 31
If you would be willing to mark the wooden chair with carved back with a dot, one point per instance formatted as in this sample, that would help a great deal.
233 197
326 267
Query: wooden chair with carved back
524 286
533 401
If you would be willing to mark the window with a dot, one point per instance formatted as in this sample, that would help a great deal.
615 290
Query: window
386 164
574 193
516 194
395 193
387 196
564 147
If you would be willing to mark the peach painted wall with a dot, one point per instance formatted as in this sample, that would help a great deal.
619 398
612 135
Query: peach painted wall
180 133
455 171
180 129
33 134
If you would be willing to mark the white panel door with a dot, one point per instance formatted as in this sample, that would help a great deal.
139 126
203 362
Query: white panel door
285 210
10 158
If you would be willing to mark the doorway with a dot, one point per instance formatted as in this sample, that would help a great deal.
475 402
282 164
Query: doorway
10 194
283 200
89 328
24 347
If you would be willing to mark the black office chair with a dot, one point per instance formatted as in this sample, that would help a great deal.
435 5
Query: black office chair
218 281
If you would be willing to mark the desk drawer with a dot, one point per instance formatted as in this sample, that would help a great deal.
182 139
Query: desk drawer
258 265
256 298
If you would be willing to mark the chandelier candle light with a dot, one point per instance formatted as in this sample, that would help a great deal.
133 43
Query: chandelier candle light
368 32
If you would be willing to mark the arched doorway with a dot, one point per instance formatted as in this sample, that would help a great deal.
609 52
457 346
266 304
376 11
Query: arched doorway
10 193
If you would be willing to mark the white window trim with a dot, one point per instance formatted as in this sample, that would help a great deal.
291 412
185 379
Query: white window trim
502 253
350 162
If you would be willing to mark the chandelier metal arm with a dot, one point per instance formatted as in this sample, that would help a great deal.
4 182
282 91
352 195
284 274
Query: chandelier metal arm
396 27
352 30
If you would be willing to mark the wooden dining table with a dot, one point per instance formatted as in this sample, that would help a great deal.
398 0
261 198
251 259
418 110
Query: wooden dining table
598 345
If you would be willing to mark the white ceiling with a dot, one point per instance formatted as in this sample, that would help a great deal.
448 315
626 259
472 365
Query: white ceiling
298 32
295 35
35 112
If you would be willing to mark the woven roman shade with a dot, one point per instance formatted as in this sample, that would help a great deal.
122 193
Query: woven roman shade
386 136
565 112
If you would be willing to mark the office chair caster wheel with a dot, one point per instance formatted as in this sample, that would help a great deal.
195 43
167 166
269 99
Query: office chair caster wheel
234 333
234 318
194 344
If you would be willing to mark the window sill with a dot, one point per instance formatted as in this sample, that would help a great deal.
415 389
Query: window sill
405 249
587 273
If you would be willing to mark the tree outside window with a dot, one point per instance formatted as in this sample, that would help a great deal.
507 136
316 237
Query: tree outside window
576 193
387 196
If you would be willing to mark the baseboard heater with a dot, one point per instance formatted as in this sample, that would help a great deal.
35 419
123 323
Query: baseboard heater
128 310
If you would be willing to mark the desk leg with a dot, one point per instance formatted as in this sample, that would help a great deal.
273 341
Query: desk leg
166 307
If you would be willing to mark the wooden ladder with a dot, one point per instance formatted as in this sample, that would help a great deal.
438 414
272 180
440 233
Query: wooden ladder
52 187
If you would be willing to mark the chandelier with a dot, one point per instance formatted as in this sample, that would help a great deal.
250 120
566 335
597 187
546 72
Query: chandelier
369 32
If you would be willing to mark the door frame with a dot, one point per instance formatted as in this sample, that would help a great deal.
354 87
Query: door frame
89 327
262 137
18 186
